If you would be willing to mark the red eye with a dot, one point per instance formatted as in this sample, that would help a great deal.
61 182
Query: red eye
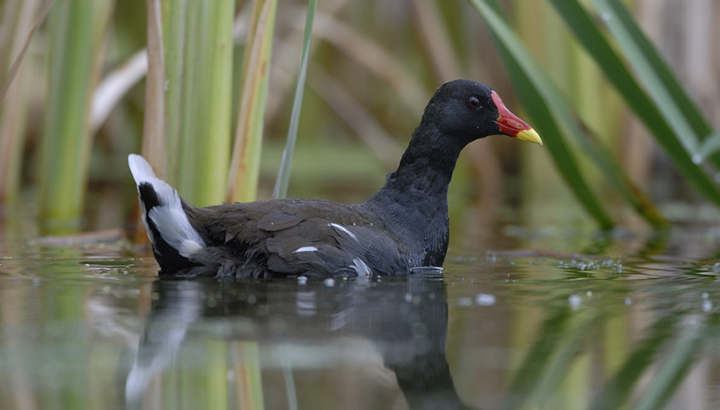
473 102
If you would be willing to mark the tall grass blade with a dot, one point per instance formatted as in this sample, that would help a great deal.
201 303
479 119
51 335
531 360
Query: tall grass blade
659 94
19 31
245 164
536 87
283 177
709 146
618 13
554 111
664 128
76 35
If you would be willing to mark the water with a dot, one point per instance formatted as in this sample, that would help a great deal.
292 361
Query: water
90 326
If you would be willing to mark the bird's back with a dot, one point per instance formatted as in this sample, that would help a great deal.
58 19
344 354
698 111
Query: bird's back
295 237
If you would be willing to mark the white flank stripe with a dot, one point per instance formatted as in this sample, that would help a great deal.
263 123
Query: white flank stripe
344 229
306 249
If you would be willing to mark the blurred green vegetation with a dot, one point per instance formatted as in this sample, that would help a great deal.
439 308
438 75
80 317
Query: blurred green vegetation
623 131
584 71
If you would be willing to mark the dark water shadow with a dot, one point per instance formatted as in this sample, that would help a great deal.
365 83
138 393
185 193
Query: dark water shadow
405 319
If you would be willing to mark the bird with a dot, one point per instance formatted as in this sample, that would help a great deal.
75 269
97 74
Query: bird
401 230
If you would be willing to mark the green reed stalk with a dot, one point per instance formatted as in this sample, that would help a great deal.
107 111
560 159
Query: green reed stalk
154 141
173 30
204 133
76 35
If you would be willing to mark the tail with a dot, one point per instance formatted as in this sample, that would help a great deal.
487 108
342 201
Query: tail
173 238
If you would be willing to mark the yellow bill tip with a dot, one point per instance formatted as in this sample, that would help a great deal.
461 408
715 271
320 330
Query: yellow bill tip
529 135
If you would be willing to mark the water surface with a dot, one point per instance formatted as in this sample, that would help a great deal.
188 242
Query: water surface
91 326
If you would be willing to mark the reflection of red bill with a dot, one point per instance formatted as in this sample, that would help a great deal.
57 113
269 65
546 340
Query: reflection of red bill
513 126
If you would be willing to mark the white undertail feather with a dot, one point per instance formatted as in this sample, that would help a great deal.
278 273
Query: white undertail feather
169 218
361 268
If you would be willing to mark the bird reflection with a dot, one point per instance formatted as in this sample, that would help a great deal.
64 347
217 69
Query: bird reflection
404 318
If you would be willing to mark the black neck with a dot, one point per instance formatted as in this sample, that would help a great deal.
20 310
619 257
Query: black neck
427 165
413 202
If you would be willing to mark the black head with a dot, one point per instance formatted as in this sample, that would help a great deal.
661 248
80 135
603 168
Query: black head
468 110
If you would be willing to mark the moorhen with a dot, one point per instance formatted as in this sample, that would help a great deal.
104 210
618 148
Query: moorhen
402 228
